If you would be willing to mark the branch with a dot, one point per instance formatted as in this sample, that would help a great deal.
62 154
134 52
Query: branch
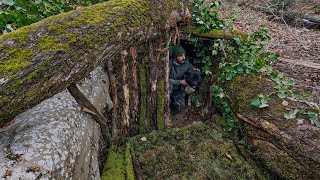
89 108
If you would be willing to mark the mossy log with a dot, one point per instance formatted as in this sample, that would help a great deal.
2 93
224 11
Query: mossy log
287 148
215 34
43 59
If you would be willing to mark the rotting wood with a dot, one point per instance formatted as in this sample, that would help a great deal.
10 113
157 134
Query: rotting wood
135 109
114 95
126 94
89 108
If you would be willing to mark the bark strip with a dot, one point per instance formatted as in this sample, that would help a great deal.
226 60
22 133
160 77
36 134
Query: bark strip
167 119
88 107
114 96
126 95
135 109
154 56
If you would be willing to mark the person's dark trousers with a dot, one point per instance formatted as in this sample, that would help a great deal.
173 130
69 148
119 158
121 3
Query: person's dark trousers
177 99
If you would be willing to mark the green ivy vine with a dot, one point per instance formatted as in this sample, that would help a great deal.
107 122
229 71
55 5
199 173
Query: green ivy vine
15 14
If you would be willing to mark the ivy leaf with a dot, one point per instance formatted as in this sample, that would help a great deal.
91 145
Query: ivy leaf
8 2
214 52
313 117
291 82
264 101
263 105
221 95
255 102
291 114
282 94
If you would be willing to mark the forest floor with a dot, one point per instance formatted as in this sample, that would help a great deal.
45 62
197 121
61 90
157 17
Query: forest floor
298 47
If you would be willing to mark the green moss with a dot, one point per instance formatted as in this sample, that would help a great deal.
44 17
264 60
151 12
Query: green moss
160 105
143 99
198 151
50 43
20 36
128 163
19 59
242 89
113 168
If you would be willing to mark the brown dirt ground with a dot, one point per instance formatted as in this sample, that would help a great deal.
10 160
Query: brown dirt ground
298 47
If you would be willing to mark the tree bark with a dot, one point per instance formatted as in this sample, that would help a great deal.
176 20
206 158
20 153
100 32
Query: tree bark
43 59
126 95
114 95
154 47
135 94
167 119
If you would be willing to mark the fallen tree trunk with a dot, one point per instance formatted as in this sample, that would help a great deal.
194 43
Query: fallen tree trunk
292 17
43 59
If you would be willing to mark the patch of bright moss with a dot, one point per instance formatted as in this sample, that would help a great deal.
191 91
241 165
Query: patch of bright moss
19 59
128 163
50 43
113 168
143 99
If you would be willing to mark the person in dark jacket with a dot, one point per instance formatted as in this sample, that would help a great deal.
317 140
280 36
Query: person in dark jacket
179 66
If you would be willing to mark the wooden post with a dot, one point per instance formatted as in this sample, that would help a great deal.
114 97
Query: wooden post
114 96
126 96
135 109
167 119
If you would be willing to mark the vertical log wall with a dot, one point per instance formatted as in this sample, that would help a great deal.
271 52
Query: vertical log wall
138 86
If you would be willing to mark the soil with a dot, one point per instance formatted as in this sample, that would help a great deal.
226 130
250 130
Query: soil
298 47
186 116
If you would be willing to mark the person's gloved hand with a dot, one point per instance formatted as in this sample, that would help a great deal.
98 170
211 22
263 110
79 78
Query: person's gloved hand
183 82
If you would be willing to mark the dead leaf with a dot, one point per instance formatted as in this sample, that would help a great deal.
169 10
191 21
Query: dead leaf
285 103
7 123
7 173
